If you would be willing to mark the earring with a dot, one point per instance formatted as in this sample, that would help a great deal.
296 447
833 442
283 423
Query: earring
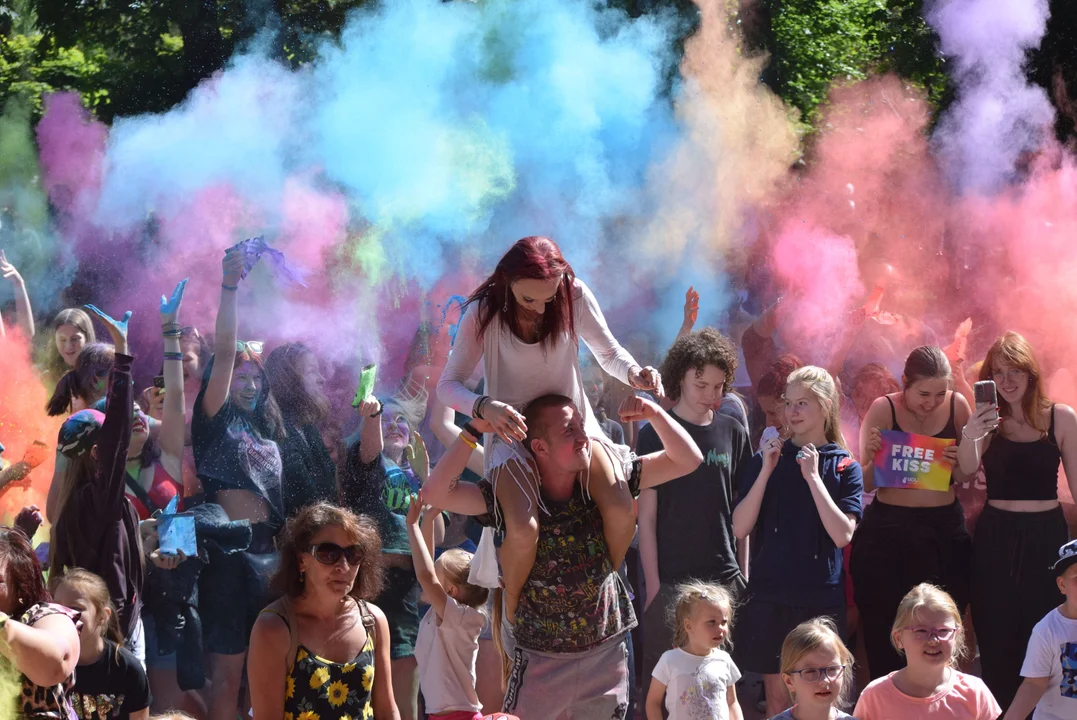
506 308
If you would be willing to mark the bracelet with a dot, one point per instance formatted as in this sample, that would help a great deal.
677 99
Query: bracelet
476 409
233 288
381 408
174 356
974 439
468 441
172 334
470 430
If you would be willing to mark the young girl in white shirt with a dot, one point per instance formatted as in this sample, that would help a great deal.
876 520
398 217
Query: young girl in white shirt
448 640
697 679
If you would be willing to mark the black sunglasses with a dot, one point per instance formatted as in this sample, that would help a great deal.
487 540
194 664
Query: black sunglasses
329 553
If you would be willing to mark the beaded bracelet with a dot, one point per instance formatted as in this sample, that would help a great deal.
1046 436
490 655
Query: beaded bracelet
174 356
172 334
230 287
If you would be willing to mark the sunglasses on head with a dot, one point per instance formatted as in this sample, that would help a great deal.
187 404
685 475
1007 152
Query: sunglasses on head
254 347
329 553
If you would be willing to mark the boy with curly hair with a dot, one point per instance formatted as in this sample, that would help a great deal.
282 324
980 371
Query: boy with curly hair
686 525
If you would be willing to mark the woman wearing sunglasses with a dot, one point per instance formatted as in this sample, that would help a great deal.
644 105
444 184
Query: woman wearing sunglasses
929 633
234 431
322 650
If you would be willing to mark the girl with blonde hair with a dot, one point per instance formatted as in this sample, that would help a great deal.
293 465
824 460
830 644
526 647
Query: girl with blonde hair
802 499
817 670
929 633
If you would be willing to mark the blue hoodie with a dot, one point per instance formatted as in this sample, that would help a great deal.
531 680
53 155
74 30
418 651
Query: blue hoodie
794 560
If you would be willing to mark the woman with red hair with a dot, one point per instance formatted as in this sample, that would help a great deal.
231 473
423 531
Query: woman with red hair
1021 444
525 322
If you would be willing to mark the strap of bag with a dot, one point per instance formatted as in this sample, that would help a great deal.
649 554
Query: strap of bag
140 493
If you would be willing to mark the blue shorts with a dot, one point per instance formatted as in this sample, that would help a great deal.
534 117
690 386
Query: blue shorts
153 658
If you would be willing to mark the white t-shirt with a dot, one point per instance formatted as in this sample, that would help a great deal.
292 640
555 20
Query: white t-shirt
446 656
696 686
1052 652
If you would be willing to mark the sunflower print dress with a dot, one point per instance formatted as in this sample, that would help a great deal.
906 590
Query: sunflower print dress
318 689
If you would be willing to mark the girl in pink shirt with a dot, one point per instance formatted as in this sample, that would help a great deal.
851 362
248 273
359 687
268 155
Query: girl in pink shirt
928 632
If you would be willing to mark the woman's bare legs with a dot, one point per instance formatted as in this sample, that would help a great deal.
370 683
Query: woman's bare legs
518 549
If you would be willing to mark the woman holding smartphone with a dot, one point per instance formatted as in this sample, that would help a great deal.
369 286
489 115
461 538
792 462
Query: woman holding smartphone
1021 442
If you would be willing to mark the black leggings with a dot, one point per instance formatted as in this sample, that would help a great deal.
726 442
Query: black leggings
1013 587
894 550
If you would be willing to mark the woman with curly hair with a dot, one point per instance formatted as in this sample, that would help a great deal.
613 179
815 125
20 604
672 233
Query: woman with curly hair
322 650
686 525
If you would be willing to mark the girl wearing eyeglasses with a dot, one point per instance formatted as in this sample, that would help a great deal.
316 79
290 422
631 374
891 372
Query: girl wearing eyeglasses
817 671
1021 444
322 650
929 633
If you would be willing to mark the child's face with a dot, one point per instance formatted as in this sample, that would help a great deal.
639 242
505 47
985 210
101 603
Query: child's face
92 621
1067 583
929 639
818 679
708 624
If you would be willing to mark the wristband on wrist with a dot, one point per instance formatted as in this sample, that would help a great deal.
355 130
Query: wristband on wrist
174 356
476 409
233 288
172 334
468 441
381 409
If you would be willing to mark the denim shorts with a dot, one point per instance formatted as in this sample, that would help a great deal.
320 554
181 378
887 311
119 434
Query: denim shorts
153 659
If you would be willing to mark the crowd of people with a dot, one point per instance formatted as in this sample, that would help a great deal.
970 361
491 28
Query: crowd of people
537 536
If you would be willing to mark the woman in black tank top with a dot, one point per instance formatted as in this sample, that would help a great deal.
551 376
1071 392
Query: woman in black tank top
1022 525
908 536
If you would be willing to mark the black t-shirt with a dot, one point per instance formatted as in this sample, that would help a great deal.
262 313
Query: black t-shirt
232 453
111 688
308 472
694 526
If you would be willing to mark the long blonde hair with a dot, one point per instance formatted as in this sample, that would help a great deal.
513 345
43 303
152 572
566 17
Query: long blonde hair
926 596
808 637
687 596
820 383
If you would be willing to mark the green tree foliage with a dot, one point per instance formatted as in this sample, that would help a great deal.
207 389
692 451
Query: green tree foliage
129 57
815 43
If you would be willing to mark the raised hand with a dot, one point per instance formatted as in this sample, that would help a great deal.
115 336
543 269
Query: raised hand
117 329
29 520
170 306
233 266
691 308
368 407
8 271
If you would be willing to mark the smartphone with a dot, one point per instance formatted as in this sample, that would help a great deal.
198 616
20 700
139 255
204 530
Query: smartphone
366 384
159 382
985 394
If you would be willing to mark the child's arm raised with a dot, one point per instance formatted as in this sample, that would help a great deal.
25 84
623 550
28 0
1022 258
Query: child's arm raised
420 555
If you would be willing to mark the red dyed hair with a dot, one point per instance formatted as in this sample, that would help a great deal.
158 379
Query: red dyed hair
1013 349
24 578
532 258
